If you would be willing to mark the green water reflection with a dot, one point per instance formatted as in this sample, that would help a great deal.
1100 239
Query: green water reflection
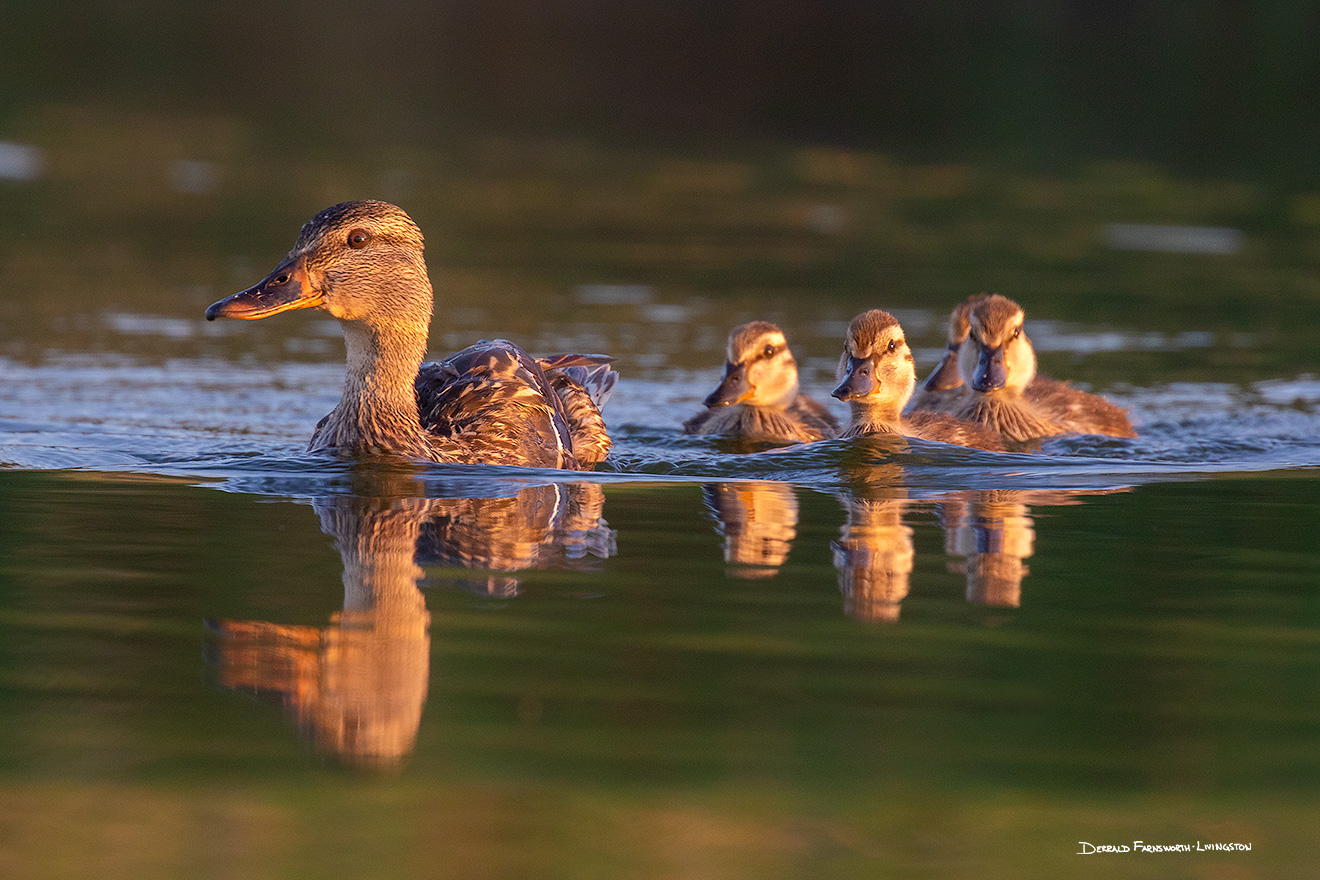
1153 676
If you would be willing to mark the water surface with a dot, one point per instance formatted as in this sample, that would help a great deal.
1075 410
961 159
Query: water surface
221 655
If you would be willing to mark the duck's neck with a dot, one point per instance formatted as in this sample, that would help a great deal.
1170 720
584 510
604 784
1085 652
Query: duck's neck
874 417
378 409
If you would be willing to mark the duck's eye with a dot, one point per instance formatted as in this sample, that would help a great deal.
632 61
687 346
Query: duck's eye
769 351
358 238
1017 331
893 344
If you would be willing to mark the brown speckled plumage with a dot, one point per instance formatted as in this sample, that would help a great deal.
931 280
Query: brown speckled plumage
758 399
877 376
491 403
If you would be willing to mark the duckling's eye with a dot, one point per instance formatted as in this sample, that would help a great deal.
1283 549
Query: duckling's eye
358 238
769 351
1017 331
893 344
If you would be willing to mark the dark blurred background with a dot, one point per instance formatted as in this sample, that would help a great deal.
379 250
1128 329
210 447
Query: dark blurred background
1204 87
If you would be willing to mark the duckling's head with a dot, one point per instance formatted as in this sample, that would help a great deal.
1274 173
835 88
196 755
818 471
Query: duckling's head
945 376
876 369
998 356
759 371
360 261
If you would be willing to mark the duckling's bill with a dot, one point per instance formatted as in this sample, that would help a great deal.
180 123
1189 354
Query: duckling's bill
945 377
858 379
733 389
991 371
285 289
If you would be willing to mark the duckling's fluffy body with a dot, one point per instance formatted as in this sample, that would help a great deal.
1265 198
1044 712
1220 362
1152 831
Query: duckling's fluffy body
996 367
491 403
877 375
758 398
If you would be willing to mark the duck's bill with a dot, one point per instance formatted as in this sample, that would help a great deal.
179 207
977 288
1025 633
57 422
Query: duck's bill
991 371
285 289
945 377
858 380
733 389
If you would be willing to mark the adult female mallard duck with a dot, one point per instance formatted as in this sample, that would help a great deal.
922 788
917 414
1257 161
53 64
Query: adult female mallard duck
998 366
877 375
758 399
491 403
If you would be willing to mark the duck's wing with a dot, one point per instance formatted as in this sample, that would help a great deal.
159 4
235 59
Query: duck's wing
1079 410
494 400
946 429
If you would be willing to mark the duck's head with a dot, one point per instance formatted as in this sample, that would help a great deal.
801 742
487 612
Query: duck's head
945 376
876 367
759 370
360 261
998 355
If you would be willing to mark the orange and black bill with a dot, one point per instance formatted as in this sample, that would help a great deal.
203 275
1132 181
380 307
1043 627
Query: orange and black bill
283 290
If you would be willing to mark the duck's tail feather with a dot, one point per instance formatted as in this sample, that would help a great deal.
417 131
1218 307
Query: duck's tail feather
598 381
583 390
560 361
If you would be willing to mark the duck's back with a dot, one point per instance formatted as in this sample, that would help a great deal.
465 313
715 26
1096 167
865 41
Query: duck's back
1079 410
946 429
798 422
813 415
494 401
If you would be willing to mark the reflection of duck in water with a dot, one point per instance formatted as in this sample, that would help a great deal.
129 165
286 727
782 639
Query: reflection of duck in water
873 556
877 376
758 521
534 528
998 366
758 399
491 403
357 686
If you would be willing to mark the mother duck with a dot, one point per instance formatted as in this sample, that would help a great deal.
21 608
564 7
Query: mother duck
491 403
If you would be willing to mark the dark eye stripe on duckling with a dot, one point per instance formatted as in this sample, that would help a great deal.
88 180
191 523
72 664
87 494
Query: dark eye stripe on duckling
766 353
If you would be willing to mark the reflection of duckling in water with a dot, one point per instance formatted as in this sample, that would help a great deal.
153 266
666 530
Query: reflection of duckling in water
873 555
491 403
758 399
357 686
998 366
992 530
877 376
758 521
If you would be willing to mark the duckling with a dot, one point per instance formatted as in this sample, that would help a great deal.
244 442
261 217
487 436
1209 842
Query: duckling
943 389
998 365
491 403
758 399
877 375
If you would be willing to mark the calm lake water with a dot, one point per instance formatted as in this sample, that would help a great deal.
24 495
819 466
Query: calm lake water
222 657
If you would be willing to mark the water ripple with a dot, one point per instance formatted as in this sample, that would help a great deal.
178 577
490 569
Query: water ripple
245 428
